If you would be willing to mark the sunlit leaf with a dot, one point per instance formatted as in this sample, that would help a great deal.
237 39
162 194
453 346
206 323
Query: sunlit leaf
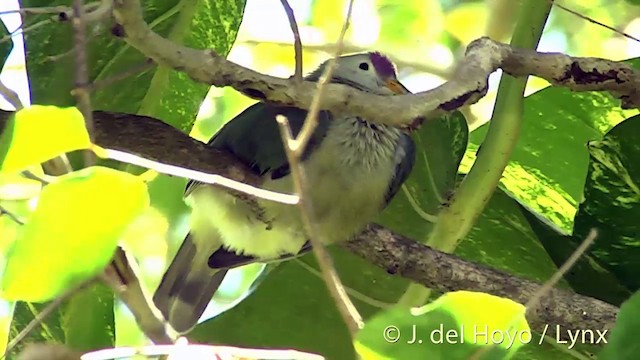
39 133
458 325
557 125
17 187
72 233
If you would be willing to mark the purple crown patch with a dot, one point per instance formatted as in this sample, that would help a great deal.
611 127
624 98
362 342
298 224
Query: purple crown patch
384 67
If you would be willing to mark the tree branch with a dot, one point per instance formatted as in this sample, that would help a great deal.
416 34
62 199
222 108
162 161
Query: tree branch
397 254
443 272
468 83
382 247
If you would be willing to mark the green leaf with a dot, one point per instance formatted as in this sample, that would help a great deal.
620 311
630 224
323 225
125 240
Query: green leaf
88 319
291 308
73 232
50 330
84 322
586 276
5 46
39 133
292 292
623 339
457 325
557 124
155 91
503 239
612 201
440 146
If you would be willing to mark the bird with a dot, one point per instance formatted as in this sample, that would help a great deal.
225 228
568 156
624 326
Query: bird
353 169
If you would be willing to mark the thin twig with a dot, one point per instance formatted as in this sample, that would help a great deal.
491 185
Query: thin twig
83 99
543 290
21 29
12 216
593 21
384 249
121 76
346 308
297 43
310 123
36 10
403 63
93 12
11 96
294 148
42 315
553 280
48 9
44 179
352 292
51 58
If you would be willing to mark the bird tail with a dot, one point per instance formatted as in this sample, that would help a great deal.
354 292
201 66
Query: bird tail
187 286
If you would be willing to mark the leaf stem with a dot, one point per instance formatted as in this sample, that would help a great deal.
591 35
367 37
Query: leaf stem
456 220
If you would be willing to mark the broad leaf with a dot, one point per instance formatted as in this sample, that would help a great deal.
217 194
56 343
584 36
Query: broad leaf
302 295
73 232
293 293
49 331
458 325
440 145
85 322
547 168
502 239
586 276
156 91
5 46
39 133
88 319
612 201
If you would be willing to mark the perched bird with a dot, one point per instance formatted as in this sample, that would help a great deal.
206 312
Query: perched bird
353 169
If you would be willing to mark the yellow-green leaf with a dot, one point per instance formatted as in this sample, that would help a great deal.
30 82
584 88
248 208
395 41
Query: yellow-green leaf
72 233
39 133
459 325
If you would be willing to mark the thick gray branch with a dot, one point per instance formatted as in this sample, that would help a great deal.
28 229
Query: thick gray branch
150 138
468 83
445 272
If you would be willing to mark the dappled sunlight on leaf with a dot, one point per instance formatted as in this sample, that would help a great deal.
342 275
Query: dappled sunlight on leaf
72 233
458 325
54 130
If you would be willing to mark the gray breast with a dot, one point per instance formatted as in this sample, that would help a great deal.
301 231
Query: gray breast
361 144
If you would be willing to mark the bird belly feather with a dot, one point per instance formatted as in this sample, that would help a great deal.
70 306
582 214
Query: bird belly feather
346 194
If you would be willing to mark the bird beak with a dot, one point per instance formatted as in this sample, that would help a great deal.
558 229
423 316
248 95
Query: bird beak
395 86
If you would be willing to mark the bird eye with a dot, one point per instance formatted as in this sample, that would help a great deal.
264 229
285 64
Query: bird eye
364 66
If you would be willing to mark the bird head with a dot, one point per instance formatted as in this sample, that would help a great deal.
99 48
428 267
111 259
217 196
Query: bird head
372 72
